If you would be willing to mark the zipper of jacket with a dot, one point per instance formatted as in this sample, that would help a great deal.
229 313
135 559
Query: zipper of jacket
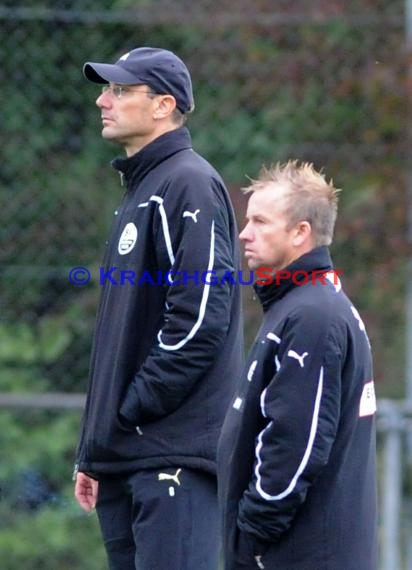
75 471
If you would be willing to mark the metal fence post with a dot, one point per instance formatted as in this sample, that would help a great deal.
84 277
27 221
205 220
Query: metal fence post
391 423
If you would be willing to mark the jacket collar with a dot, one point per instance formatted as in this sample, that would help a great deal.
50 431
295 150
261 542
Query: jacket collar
317 259
134 168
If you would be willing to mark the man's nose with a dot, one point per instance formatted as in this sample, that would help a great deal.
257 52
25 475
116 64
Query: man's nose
245 233
103 101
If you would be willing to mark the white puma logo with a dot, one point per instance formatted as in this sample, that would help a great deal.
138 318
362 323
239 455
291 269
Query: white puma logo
125 56
167 476
295 355
193 215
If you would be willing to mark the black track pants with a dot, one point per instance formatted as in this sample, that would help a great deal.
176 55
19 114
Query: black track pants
159 519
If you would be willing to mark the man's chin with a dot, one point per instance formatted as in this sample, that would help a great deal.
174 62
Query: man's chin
108 135
252 265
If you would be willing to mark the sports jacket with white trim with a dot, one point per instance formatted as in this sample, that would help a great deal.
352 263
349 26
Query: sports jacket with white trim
296 458
165 356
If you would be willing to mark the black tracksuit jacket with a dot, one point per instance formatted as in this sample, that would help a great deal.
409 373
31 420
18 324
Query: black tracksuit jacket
296 459
165 356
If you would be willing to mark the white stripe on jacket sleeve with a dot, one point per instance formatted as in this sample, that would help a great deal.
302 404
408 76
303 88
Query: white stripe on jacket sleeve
165 227
203 302
306 456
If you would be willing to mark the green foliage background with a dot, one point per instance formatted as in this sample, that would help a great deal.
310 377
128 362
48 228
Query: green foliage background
273 80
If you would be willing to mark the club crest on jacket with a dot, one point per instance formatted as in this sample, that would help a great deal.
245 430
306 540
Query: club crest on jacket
128 239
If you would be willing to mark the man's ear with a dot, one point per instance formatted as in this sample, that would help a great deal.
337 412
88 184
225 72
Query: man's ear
166 104
302 234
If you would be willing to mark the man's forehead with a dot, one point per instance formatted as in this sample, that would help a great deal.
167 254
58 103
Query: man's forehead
268 198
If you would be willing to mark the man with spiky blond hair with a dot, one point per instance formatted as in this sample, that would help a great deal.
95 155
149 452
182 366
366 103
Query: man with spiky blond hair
297 457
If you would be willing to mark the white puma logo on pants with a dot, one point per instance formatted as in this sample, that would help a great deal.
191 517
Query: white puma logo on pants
168 477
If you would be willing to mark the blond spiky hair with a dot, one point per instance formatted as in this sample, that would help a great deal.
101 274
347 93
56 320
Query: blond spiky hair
307 196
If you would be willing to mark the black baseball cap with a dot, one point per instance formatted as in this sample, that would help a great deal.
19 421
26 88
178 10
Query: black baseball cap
158 68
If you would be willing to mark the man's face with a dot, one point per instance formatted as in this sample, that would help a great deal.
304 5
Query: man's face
267 240
127 115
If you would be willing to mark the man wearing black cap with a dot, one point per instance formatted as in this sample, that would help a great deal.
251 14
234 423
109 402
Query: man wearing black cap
167 343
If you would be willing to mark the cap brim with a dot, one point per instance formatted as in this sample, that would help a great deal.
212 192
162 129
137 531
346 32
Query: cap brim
108 73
